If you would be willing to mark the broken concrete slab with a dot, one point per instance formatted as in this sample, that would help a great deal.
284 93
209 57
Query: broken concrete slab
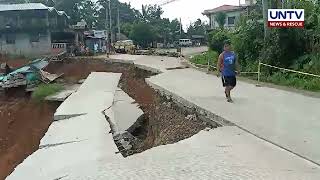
224 153
81 81
280 113
101 81
94 95
80 140
124 112
81 103
94 125
57 161
120 95
64 94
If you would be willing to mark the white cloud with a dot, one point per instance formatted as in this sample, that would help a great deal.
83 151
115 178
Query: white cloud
187 10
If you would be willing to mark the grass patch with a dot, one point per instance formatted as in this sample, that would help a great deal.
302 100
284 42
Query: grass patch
44 90
203 58
279 78
294 80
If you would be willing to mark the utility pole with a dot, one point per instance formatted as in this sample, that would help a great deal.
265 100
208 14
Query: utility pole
107 29
180 28
110 24
180 49
106 23
265 18
119 23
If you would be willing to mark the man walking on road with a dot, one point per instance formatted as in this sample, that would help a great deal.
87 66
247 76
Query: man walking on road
228 68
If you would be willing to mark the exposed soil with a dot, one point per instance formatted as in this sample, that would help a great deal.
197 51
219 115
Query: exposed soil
162 123
23 123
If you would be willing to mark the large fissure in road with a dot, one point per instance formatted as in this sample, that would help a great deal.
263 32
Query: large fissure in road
24 123
164 121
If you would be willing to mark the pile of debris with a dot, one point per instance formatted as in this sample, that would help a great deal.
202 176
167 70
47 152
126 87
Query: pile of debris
29 75
168 53
145 52
153 52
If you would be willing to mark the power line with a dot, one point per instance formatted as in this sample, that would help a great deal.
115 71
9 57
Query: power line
167 2
163 3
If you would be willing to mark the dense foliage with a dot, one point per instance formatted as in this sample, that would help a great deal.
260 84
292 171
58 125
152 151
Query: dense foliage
202 59
217 39
297 49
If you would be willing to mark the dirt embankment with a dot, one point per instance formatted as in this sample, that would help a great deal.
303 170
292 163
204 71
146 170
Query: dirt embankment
23 123
164 122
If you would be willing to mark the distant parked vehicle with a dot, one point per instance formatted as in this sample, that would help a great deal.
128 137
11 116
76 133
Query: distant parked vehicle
125 46
185 42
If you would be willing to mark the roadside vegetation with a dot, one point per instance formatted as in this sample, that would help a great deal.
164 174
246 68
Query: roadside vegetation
296 49
44 90
203 58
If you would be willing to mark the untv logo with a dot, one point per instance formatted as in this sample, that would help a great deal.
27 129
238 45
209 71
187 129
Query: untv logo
286 18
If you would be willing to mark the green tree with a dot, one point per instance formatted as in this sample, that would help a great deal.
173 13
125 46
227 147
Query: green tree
150 13
220 18
88 12
142 34
197 28
127 15
175 30
71 7
126 28
217 39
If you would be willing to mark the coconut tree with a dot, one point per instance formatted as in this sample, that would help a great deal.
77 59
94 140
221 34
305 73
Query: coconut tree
220 18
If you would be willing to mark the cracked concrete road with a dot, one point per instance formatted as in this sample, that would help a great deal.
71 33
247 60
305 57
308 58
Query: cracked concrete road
287 119
224 153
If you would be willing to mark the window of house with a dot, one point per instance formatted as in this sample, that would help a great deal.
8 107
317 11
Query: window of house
10 38
231 20
35 37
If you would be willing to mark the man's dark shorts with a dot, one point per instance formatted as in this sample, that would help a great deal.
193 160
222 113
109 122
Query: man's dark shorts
229 81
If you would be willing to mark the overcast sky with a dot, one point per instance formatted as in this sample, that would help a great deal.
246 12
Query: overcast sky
188 10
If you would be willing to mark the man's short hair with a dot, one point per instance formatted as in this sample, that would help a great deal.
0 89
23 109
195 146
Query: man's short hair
227 43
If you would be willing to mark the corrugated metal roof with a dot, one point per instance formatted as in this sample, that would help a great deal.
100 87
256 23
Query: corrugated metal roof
60 13
223 8
51 8
23 7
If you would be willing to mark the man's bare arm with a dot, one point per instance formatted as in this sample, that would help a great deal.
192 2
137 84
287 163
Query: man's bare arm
220 59
238 68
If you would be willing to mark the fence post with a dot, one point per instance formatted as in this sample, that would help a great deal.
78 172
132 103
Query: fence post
259 71
208 65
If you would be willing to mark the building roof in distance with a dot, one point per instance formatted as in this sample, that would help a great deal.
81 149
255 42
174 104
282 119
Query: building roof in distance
22 7
223 8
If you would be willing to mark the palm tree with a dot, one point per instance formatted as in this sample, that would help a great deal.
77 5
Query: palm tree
220 18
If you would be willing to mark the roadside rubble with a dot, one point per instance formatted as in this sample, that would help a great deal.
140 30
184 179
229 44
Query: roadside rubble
153 52
29 75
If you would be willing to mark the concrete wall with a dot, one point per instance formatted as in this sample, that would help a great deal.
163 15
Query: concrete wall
23 45
214 24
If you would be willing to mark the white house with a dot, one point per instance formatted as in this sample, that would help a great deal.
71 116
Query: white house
232 14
